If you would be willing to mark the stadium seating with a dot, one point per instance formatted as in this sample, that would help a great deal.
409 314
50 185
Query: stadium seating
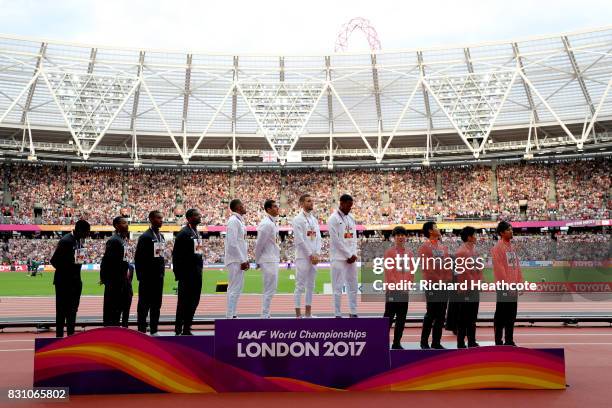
55 195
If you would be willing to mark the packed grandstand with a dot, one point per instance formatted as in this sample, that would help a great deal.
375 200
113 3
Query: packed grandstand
571 190
514 131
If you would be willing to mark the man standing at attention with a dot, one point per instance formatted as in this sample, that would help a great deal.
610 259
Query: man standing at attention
506 268
236 255
343 254
67 260
433 255
187 263
267 254
150 269
114 273
307 241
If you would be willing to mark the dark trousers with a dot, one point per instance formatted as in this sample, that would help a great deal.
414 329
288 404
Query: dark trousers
505 316
67 299
126 304
396 308
467 314
113 304
452 312
433 321
149 303
188 300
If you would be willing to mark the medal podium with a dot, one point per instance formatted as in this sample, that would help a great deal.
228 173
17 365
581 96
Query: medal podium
276 355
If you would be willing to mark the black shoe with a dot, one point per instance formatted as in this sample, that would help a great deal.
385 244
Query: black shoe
187 333
338 317
510 343
461 345
438 347
472 345
425 346
397 347
353 315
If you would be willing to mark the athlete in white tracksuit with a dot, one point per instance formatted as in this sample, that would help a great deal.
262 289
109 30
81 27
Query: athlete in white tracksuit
267 254
343 254
236 256
307 242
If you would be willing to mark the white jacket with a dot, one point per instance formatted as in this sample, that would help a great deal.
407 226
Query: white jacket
306 236
342 236
235 240
267 247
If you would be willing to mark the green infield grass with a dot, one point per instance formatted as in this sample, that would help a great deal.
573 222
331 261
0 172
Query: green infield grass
21 284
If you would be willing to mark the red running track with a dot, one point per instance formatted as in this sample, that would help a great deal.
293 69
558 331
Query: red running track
588 361
282 304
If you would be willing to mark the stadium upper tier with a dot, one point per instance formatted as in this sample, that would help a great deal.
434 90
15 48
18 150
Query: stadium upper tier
71 101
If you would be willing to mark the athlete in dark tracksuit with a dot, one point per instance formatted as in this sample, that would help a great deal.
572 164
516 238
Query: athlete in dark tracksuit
115 274
187 265
67 260
150 268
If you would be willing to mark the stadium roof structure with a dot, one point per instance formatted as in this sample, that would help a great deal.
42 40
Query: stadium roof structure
539 96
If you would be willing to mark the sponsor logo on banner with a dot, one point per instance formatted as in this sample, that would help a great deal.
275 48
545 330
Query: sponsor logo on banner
574 287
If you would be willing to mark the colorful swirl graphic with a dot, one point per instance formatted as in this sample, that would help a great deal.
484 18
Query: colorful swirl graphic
102 355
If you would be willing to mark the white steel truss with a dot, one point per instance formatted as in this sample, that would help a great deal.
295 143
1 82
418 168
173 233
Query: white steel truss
383 104
89 103
282 110
472 102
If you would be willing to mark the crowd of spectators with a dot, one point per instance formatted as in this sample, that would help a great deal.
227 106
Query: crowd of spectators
467 192
50 194
412 195
207 191
151 190
253 188
527 184
583 189
584 246
97 194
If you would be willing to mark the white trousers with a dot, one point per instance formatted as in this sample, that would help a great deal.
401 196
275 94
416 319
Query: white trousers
234 288
269 271
343 273
305 274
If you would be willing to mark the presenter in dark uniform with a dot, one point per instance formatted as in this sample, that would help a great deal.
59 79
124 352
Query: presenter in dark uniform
114 273
67 260
150 267
187 264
